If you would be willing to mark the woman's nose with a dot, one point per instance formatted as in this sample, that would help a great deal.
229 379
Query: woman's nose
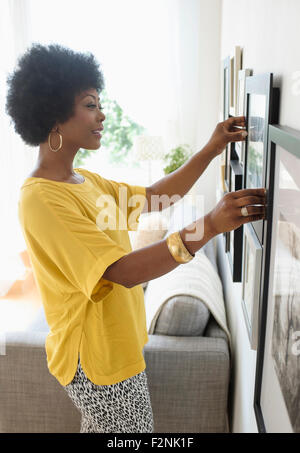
101 115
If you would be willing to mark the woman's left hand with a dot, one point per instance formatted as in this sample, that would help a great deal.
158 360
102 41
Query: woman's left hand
226 132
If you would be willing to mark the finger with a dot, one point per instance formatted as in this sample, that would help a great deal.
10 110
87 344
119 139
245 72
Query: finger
253 218
236 136
237 120
260 192
237 129
246 201
253 210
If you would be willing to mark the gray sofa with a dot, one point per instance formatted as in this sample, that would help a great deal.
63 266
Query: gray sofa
188 377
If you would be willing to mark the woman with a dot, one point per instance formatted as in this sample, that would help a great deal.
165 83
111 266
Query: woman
75 224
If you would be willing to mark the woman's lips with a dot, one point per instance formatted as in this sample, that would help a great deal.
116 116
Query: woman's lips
97 134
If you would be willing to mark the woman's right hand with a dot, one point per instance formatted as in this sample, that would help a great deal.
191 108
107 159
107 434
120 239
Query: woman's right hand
227 215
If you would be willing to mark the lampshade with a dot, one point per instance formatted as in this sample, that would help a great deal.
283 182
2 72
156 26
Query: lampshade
148 147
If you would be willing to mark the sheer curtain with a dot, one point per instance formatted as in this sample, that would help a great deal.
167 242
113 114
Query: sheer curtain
160 60
16 158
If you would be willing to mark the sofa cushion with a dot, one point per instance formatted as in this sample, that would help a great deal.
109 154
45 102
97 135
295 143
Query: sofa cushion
182 214
152 228
183 316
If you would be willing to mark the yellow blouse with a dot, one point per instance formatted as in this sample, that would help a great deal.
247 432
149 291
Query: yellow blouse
73 232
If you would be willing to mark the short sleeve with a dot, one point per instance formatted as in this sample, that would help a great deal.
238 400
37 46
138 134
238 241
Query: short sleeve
130 200
69 245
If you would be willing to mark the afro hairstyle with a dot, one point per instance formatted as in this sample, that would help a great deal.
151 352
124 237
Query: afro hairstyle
43 86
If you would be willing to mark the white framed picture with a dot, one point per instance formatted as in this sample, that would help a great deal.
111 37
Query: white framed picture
252 256
278 353
235 66
241 108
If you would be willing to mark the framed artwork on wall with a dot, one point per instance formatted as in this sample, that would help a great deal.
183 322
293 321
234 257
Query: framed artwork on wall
235 237
223 175
235 66
252 254
278 354
226 87
262 109
241 91
226 105
226 241
230 154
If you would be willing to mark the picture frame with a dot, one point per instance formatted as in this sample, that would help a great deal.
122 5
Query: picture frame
235 246
223 176
229 155
222 163
278 364
226 241
241 111
262 109
226 106
252 258
235 67
226 87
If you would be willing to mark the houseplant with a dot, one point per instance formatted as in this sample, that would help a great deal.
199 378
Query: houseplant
176 158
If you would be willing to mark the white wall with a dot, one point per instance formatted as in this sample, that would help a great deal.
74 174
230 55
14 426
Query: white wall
269 32
209 26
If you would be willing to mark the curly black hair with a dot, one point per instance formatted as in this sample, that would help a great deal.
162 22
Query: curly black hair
42 88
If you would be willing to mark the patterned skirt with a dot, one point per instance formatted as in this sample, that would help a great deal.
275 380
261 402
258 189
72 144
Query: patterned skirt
124 407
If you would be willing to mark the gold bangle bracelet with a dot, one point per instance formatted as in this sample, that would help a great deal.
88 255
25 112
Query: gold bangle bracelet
178 249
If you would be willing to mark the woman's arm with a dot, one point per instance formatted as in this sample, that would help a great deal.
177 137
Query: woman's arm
174 186
155 260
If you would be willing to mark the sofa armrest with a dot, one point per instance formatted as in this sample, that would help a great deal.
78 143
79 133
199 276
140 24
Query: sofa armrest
213 330
31 399
188 380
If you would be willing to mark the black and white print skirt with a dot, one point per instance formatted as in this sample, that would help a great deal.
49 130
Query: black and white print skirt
124 407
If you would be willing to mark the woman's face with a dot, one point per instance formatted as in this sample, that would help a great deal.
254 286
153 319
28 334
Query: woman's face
78 130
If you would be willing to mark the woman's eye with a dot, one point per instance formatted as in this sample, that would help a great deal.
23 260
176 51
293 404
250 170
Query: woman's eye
94 105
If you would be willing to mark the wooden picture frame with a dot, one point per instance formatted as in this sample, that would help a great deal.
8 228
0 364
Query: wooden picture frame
226 87
262 109
241 108
278 364
235 237
235 67
252 257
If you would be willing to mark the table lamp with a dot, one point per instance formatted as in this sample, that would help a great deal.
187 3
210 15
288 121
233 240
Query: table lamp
148 148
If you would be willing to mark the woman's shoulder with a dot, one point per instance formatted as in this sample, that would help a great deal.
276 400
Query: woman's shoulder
39 173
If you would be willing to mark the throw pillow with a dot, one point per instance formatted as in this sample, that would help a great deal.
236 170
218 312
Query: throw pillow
183 214
183 316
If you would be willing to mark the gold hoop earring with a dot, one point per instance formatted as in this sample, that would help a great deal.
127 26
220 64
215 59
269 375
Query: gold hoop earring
60 142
